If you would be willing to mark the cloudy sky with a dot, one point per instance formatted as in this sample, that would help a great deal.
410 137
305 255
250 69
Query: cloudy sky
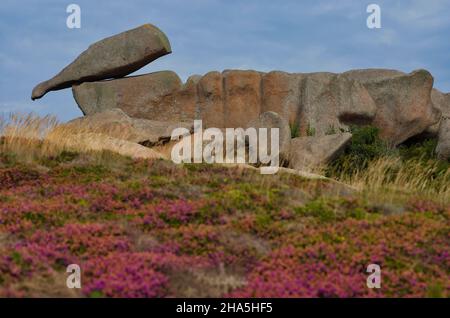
289 35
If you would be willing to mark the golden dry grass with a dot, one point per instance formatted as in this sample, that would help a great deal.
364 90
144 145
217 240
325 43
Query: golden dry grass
29 136
24 135
389 179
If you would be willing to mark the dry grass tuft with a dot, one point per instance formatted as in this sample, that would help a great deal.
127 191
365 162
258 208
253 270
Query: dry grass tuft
23 135
31 137
389 180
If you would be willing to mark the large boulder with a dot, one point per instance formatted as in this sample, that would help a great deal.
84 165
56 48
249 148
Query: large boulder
372 74
273 120
354 103
329 102
315 104
211 100
242 97
113 57
309 153
281 94
319 102
443 146
182 104
404 106
149 96
115 123
442 102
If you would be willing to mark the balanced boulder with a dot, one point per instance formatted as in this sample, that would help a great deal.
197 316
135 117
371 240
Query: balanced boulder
113 57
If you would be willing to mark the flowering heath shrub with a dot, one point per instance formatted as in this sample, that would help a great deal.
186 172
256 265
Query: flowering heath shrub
145 228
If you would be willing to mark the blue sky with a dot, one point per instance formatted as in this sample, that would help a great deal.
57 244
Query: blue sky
289 35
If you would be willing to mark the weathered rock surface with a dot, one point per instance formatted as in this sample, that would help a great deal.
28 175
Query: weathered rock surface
115 123
211 100
311 152
242 97
317 104
112 57
404 106
156 96
273 120
281 94
138 96
330 101
182 105
443 146
372 74
233 98
442 102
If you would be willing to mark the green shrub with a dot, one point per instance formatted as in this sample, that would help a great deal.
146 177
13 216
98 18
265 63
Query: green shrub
423 150
369 160
364 147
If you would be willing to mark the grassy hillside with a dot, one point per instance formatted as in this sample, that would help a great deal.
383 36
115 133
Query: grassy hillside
150 228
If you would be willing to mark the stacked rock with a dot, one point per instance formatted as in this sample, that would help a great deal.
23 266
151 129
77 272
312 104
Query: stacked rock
113 57
315 105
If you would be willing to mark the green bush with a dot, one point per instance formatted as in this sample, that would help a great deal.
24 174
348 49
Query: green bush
423 150
364 147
